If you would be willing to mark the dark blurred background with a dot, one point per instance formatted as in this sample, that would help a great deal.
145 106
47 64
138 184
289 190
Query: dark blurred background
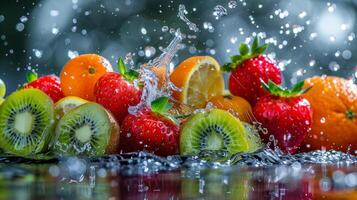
307 37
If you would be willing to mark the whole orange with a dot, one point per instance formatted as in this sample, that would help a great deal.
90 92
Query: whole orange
237 106
334 104
79 75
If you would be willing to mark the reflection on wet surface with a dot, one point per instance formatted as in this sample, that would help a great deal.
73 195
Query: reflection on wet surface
144 176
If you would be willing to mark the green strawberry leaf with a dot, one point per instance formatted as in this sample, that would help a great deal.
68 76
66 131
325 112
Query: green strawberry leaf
161 105
298 87
227 67
121 66
255 44
243 49
131 75
236 60
31 76
260 50
280 91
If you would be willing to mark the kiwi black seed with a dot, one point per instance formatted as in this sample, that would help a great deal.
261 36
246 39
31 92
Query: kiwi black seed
87 130
26 122
215 130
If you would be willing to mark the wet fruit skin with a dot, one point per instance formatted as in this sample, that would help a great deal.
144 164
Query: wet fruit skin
287 119
334 104
237 106
150 132
245 79
49 84
79 75
116 94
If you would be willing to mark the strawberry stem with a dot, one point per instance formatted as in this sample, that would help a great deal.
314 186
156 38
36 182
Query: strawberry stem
129 75
350 114
280 91
162 106
244 54
31 76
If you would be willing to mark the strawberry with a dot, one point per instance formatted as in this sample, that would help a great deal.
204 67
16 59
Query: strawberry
247 71
116 92
152 130
49 84
285 114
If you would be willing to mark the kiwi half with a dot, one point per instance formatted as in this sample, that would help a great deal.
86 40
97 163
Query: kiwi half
215 130
26 120
87 130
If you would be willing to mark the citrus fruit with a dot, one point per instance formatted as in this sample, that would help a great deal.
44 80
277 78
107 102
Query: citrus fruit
237 106
334 104
199 78
80 74
160 73
66 104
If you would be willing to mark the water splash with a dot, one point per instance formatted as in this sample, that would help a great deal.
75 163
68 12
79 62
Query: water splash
182 15
147 77
219 11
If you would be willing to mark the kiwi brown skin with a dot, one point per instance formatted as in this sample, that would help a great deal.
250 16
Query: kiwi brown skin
113 146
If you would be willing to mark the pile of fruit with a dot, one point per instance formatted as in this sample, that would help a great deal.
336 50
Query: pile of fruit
85 110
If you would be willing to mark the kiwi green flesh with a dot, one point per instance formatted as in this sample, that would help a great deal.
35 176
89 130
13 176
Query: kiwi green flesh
216 130
253 136
26 120
84 130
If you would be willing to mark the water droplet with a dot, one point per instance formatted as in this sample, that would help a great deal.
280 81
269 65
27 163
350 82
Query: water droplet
312 36
346 54
182 15
351 36
72 54
334 66
149 51
23 19
312 63
20 27
331 8
55 30
219 11
164 28
297 29
232 4
2 18
38 53
322 120
54 13
302 14
143 31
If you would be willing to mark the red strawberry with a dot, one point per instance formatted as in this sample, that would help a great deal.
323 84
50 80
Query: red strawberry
286 115
151 130
49 84
248 69
116 92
